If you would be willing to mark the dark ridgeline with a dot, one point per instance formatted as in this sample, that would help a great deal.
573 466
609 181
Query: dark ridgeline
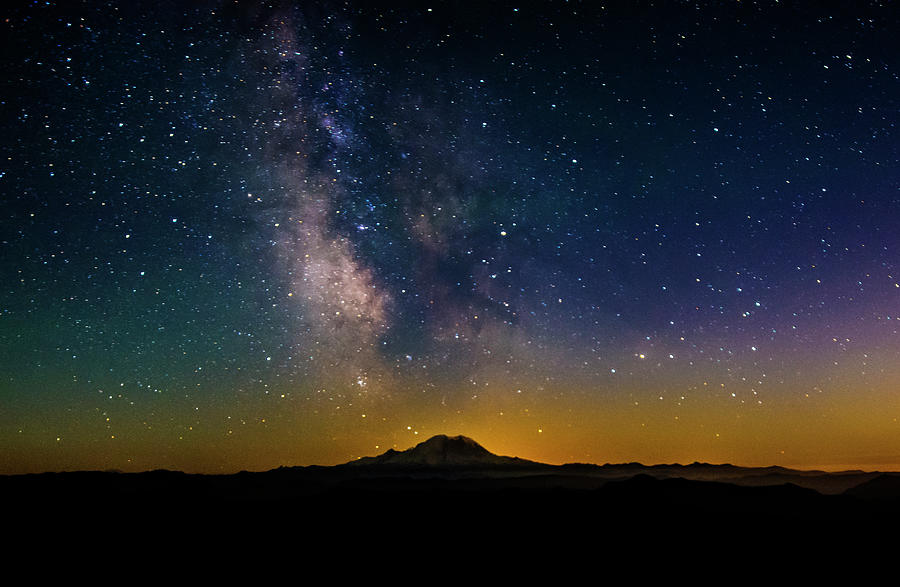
453 487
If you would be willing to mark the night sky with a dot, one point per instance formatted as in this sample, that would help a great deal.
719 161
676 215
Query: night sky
238 235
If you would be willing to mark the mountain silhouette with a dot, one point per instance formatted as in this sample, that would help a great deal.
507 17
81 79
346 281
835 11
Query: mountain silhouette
885 486
443 451
452 482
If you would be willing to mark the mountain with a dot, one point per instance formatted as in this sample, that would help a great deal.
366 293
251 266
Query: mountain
460 456
885 486
443 451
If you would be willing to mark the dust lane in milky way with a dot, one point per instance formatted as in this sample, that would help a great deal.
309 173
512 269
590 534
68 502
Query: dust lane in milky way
242 235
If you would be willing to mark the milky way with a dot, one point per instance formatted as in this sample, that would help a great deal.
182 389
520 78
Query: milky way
241 235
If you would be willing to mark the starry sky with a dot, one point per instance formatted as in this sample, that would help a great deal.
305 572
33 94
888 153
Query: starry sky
237 235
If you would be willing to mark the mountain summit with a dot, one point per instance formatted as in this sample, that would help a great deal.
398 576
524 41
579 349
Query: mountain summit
443 451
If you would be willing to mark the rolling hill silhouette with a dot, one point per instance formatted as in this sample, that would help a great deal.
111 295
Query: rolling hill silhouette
455 482
449 498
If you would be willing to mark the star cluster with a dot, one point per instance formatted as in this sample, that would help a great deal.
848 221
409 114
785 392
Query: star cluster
236 235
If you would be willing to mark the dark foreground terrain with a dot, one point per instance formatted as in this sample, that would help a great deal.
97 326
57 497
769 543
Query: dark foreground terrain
450 493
